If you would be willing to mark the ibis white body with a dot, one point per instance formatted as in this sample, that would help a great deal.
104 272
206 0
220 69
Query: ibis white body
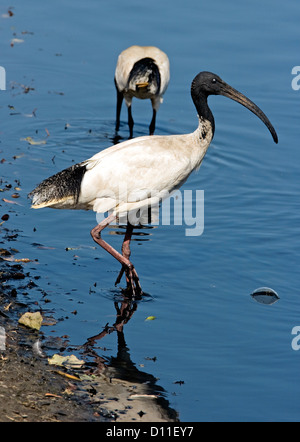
130 175
142 72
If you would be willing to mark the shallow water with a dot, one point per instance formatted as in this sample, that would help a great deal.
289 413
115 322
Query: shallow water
233 355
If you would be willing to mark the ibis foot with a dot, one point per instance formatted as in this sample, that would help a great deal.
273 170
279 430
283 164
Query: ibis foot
133 283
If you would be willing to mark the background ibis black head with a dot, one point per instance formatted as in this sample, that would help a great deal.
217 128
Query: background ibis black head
207 83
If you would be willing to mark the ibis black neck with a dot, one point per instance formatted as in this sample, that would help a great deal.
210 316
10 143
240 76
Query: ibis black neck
203 110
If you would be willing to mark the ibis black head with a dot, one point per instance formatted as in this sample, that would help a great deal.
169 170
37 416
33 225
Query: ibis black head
207 83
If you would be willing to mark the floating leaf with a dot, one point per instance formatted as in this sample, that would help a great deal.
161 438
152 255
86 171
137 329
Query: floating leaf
150 318
24 260
32 142
265 295
9 201
65 361
31 320
7 307
12 259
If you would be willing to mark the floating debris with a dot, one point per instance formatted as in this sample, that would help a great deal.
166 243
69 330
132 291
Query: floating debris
150 318
265 295
37 348
24 260
12 259
66 361
31 320
16 41
67 375
80 247
143 396
32 142
10 201
8 14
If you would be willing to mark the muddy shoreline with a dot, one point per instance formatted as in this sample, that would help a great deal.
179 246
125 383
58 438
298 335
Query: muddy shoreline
32 390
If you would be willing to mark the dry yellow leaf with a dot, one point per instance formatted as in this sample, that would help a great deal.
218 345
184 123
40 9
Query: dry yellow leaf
31 141
67 375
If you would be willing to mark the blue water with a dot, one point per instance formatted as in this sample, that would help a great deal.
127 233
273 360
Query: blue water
233 354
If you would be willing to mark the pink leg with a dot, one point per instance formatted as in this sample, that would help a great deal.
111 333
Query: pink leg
125 252
131 275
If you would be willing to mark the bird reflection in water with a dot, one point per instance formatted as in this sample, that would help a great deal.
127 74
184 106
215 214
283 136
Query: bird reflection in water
137 396
125 309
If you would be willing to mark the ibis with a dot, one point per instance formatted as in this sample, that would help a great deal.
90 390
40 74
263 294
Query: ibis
142 72
130 175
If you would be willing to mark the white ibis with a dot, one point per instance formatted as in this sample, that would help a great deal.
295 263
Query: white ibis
154 164
142 72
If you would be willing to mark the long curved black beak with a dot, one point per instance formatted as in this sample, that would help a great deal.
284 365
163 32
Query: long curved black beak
235 95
